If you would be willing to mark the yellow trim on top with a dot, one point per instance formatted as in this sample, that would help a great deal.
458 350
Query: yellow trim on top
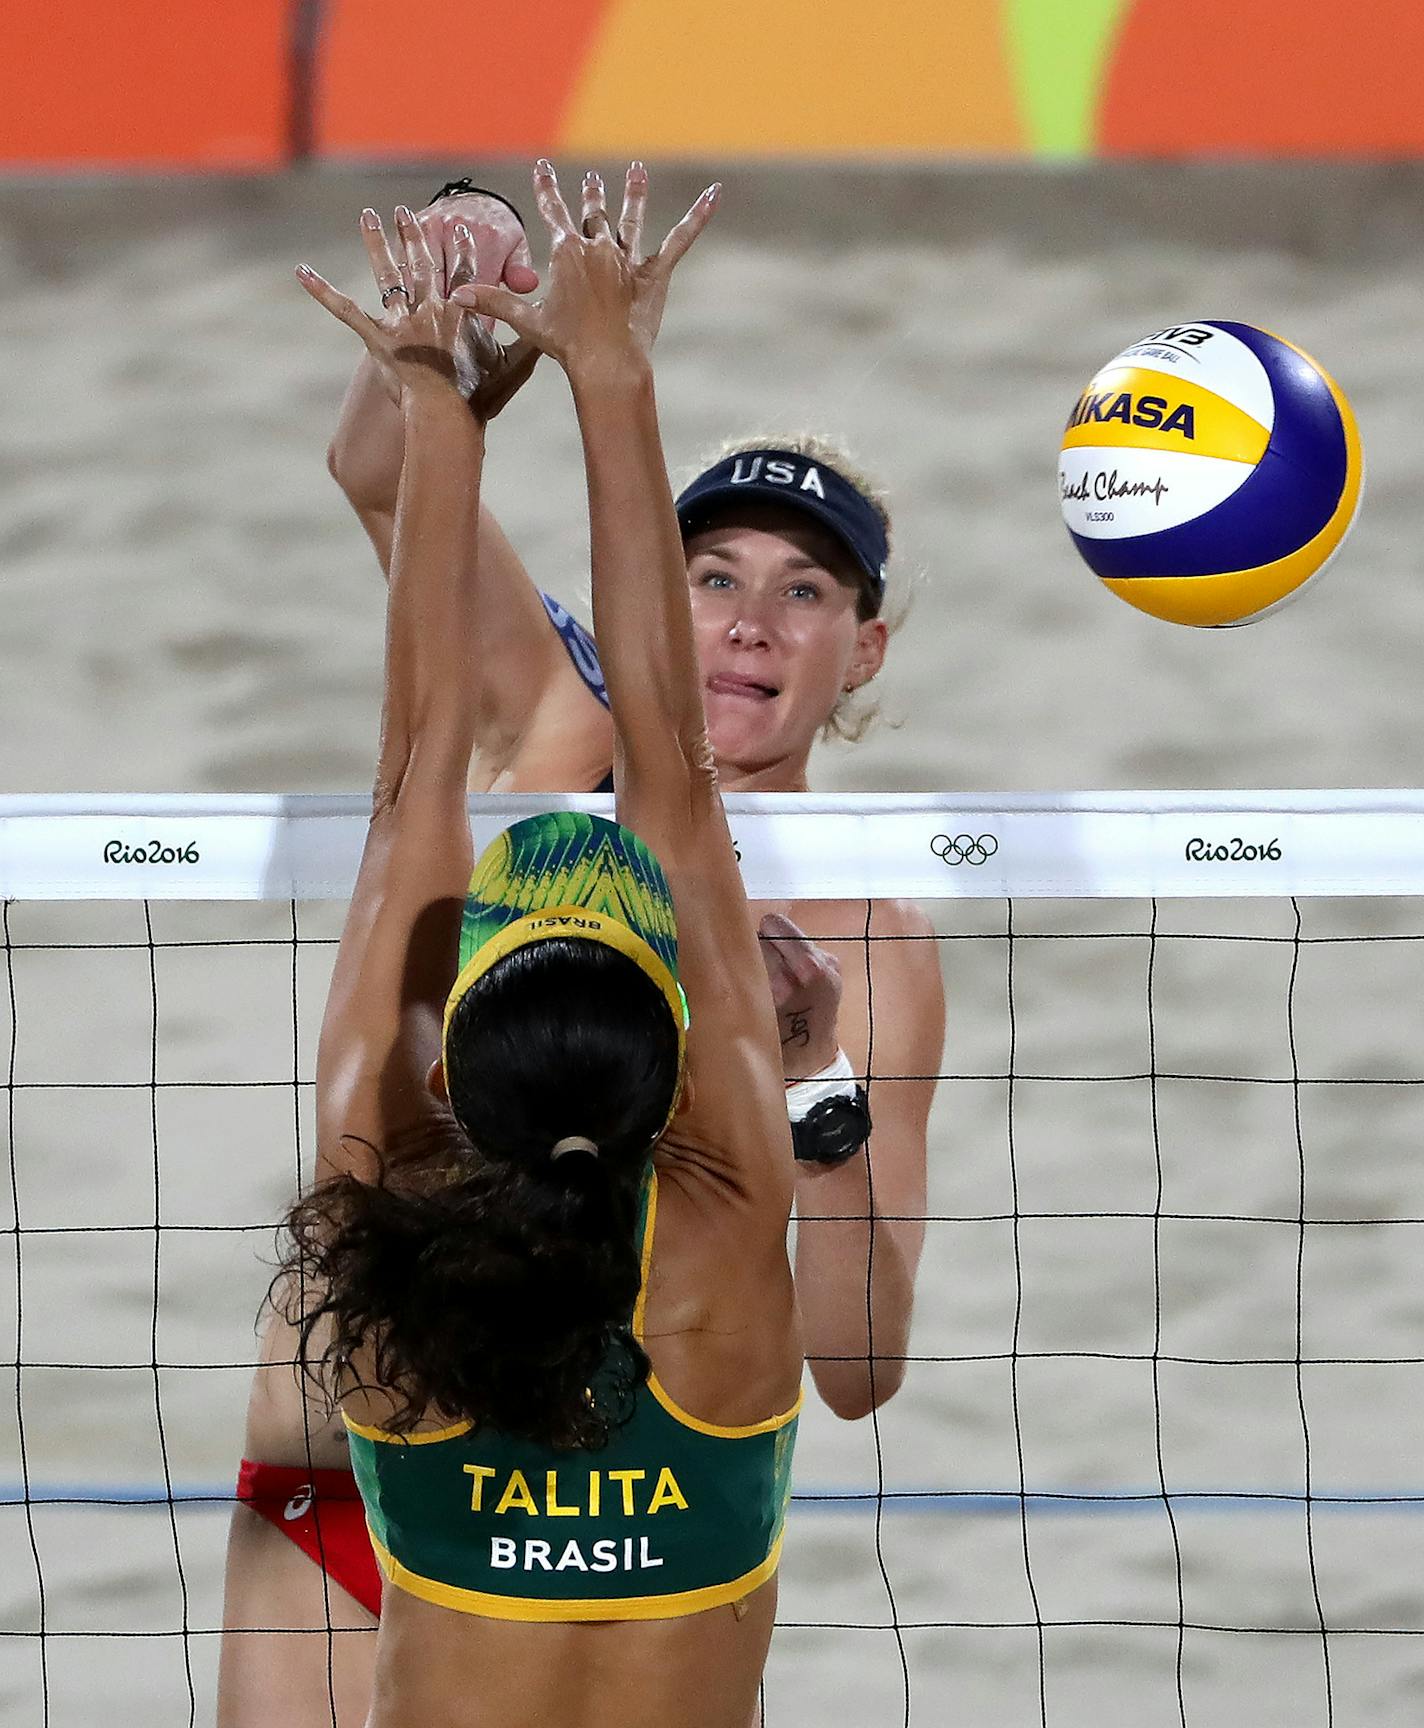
720 1430
540 1608
426 1437
550 921
646 1256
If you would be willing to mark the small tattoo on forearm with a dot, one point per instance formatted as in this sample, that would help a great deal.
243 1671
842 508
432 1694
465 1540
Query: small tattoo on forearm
799 1033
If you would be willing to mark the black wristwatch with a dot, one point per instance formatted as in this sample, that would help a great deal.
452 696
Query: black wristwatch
833 1131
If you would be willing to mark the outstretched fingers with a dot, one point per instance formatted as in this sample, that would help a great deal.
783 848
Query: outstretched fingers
339 305
463 266
389 283
419 260
680 238
522 316
635 204
550 202
463 262
594 213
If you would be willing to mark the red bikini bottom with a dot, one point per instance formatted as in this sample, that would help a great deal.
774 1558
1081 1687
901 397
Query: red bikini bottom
321 1511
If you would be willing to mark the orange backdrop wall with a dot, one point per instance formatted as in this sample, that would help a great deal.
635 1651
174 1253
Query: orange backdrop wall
147 83
244 84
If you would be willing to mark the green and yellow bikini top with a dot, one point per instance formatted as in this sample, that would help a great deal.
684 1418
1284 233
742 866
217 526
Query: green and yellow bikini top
673 1516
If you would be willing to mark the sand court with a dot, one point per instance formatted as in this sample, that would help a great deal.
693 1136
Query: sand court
1116 1281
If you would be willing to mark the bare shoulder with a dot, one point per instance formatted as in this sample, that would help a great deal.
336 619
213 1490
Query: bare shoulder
900 918
904 947
720 1312
901 965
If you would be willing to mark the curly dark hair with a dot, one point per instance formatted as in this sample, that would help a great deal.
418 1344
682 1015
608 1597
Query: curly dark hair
487 1280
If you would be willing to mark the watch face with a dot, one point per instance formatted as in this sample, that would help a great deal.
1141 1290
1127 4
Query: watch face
834 1131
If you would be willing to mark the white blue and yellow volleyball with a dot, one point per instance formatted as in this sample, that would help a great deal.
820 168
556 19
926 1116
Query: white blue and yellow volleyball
1209 472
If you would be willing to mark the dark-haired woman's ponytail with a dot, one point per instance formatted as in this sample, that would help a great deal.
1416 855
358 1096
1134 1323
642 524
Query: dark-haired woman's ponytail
492 1270
491 1294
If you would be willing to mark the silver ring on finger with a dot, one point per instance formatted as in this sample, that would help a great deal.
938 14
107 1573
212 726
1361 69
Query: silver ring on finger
395 288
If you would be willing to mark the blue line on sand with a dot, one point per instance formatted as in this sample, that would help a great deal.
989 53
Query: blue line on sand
824 1501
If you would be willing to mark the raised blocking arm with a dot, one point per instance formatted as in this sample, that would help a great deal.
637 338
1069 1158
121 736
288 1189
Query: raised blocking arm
524 686
396 957
604 301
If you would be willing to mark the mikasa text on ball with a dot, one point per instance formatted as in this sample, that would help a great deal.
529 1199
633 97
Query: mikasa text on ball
1209 472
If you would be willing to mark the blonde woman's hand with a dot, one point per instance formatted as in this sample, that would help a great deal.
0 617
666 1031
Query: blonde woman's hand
806 987
605 299
415 339
500 255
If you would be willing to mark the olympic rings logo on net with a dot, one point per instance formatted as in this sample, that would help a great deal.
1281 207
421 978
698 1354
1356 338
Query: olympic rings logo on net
964 848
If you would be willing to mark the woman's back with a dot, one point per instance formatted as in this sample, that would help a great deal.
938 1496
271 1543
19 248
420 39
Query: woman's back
703 1669
675 1526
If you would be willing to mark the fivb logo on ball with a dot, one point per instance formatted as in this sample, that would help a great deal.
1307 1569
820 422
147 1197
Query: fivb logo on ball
1209 471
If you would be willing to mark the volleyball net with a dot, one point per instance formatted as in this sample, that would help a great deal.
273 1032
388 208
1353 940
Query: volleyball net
1157 1455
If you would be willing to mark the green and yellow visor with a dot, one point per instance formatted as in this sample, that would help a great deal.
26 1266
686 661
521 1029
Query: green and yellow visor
577 876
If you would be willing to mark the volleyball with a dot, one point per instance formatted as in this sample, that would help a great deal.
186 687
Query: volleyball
1209 472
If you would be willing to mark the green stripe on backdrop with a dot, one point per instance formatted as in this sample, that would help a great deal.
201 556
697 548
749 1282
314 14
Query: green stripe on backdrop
1059 52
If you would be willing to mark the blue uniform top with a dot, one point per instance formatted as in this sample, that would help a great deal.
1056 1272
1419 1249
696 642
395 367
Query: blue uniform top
581 647
583 651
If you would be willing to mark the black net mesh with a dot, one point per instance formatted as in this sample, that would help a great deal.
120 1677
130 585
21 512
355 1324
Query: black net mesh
1156 1456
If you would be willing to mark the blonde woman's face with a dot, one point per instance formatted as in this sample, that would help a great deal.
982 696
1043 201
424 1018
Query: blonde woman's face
774 612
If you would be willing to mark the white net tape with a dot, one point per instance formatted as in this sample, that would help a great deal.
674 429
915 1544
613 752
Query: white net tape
1156 1459
1019 845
